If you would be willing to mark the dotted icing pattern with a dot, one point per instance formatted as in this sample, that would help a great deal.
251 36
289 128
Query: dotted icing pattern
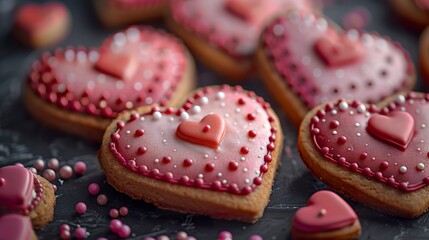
339 132
147 144
68 78
215 23
289 43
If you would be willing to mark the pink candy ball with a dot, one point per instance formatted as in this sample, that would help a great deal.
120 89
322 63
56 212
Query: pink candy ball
49 174
39 164
162 237
124 232
255 237
181 236
66 172
123 211
102 199
80 233
224 235
115 225
65 234
79 167
93 188
81 208
64 227
113 213
53 164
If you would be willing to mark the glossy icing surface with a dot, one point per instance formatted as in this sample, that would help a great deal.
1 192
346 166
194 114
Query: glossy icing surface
15 227
148 144
33 17
229 24
325 211
340 133
71 78
16 188
290 44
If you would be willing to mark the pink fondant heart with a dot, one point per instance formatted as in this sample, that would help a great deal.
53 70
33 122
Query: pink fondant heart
337 49
16 188
148 144
15 227
208 132
33 17
366 66
150 62
397 128
221 22
120 66
340 132
325 211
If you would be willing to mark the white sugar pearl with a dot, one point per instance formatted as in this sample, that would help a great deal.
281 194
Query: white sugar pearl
184 116
400 99
420 166
403 169
343 105
157 115
220 95
204 100
361 108
196 109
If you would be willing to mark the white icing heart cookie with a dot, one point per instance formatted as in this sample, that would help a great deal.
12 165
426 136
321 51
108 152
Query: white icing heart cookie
217 155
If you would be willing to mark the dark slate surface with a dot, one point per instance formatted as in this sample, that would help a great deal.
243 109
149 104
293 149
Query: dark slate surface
23 140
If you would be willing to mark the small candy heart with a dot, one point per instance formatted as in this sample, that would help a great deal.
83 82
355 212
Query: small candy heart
120 66
397 128
325 211
248 10
208 132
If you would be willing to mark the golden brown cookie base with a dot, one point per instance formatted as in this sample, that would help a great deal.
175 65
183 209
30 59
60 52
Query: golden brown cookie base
369 192
44 211
247 208
349 232
212 57
413 16
113 16
86 125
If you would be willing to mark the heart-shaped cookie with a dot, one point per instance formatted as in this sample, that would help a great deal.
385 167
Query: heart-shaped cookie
305 60
346 145
16 227
326 215
145 155
25 193
224 34
79 91
39 25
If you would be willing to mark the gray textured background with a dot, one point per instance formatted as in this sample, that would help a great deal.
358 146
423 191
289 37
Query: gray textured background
23 140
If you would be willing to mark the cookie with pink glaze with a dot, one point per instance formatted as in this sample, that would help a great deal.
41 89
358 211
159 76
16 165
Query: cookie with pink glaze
216 155
80 90
374 155
40 25
413 13
27 194
305 60
16 227
224 34
326 216
115 13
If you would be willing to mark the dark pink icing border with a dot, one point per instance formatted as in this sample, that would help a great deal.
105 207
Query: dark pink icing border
216 185
353 167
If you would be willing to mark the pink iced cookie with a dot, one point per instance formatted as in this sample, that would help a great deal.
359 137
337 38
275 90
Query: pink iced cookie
115 13
326 216
135 67
305 61
220 149
16 227
377 157
39 25
224 34
25 193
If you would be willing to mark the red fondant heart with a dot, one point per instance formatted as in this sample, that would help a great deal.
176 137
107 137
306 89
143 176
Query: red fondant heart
337 49
34 16
365 66
147 144
151 63
16 188
120 66
397 128
208 132
15 227
325 211
344 134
